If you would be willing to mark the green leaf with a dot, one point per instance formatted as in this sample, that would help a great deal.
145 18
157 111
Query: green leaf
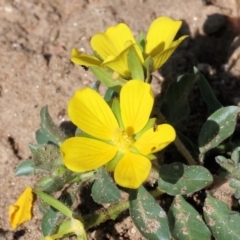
104 189
135 65
25 168
231 165
235 184
109 95
50 221
235 156
141 41
49 132
219 126
225 163
212 103
44 183
175 104
185 222
106 78
42 137
113 163
51 185
223 222
180 179
233 168
117 111
150 124
148 216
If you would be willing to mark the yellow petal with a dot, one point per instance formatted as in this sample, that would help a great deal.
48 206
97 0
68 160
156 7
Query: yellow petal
113 41
154 140
82 154
119 63
89 112
161 58
81 58
21 210
136 102
132 170
160 35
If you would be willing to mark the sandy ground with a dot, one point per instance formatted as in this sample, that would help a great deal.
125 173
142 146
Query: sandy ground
36 38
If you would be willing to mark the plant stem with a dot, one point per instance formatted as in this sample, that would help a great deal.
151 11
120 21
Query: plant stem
156 192
179 145
112 212
184 151
83 176
92 220
61 207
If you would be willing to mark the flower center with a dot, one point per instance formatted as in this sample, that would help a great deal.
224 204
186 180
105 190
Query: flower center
122 140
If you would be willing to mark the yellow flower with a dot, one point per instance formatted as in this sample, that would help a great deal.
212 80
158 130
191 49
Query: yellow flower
112 46
119 139
21 210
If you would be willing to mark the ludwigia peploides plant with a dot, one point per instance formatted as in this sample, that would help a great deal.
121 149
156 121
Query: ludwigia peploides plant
127 143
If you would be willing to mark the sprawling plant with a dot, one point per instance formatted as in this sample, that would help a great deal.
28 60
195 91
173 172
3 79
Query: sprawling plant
115 144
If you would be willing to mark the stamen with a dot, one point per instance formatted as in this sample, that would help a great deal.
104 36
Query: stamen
122 140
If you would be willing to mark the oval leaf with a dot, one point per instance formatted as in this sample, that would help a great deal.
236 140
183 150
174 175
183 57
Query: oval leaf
185 222
148 66
104 189
135 65
235 184
219 126
25 168
106 78
180 179
235 156
109 95
149 217
44 183
208 96
50 221
223 222
42 137
175 105
49 132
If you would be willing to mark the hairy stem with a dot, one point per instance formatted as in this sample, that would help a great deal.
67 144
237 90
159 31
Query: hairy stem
156 192
112 212
92 220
